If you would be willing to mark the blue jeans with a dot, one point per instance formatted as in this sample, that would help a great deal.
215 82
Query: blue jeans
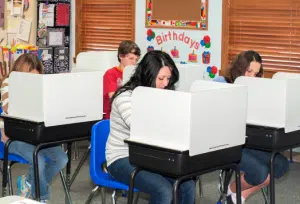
51 160
255 165
157 186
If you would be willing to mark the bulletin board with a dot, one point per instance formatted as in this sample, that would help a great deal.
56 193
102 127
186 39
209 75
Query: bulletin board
187 14
53 34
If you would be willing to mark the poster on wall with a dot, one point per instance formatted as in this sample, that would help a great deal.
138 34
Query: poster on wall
184 48
188 14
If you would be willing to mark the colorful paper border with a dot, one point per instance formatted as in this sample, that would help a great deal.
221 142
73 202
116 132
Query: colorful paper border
178 24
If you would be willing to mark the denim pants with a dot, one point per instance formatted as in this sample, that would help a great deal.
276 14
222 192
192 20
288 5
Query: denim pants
157 186
51 160
255 165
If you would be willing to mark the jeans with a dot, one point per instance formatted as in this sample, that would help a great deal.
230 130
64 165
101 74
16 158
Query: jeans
51 160
255 165
157 186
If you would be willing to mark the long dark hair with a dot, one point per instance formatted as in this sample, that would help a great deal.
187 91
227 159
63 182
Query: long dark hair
147 70
241 63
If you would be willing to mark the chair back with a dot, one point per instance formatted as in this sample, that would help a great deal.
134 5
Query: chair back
100 132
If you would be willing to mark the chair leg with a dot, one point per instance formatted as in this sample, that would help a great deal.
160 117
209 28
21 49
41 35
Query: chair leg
103 195
94 191
68 197
200 187
136 198
266 195
113 197
10 190
76 151
221 182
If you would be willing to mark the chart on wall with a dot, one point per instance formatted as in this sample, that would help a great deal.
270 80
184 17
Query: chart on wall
53 34
183 47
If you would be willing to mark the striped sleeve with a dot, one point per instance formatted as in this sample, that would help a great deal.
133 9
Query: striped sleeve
4 95
122 105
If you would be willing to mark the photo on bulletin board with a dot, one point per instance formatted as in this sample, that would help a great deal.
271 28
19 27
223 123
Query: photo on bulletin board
188 14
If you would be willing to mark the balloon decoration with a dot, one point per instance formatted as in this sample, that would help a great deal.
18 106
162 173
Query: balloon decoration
205 42
150 35
212 71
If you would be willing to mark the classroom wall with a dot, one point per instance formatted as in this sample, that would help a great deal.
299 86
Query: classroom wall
214 32
30 14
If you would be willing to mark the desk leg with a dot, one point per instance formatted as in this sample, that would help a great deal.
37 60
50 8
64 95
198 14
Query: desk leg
131 185
291 156
69 164
36 173
238 183
175 189
68 170
5 166
272 178
86 154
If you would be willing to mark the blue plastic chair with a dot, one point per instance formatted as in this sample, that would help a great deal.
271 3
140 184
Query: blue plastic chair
12 159
102 179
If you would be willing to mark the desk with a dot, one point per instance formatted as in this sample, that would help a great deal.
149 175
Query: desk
274 152
273 140
233 166
38 147
13 199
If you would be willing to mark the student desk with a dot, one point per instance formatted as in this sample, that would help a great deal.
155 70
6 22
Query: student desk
176 136
273 116
54 113
77 134
16 199
178 180
273 140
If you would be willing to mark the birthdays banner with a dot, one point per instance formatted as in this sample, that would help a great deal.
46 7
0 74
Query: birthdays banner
182 47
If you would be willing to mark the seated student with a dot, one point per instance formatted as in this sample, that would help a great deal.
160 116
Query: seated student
51 160
157 70
254 164
128 54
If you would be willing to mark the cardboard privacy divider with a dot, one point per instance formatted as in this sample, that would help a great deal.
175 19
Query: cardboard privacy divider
273 102
285 75
56 99
184 129
188 120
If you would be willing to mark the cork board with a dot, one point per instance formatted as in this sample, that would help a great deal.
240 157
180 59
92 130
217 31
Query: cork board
187 14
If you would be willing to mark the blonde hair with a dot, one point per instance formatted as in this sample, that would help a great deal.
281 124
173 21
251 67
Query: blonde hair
30 60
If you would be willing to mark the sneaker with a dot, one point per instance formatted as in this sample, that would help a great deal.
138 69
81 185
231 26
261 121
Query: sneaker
45 201
24 188
229 200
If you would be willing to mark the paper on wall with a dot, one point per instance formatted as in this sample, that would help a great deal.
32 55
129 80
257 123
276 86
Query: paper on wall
24 30
17 7
13 24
